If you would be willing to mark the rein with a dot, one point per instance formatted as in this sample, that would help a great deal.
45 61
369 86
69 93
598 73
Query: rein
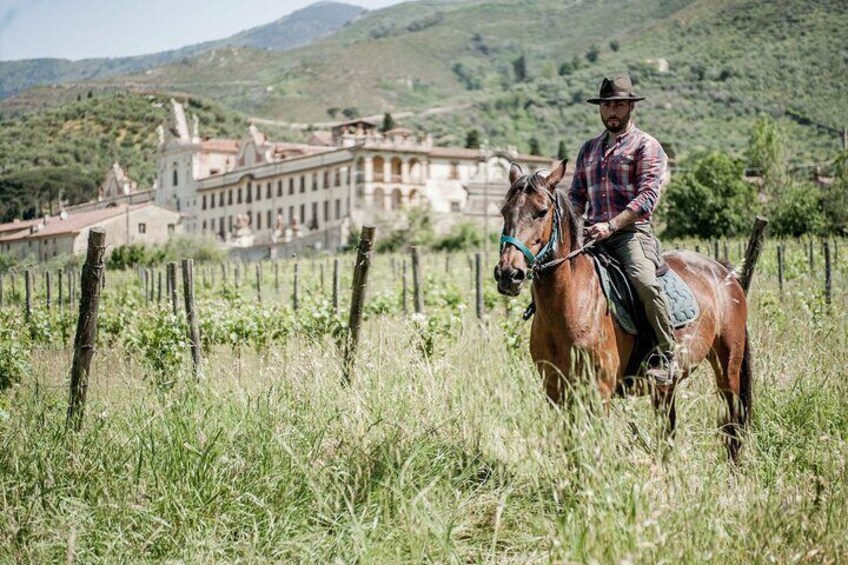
537 263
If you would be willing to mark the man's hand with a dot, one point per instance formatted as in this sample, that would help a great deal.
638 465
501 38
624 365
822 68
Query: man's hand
599 231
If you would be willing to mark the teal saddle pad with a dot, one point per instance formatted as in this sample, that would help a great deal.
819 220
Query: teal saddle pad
622 302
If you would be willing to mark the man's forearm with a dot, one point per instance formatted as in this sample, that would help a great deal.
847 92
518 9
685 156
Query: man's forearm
624 219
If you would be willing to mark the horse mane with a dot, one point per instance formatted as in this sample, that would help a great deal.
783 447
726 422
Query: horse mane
531 182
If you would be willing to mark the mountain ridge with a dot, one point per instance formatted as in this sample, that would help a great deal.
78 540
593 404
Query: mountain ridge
288 32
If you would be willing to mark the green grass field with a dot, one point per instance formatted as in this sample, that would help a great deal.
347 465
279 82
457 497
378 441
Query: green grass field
442 449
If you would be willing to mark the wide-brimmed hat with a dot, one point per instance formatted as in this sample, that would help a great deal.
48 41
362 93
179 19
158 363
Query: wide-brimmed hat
616 88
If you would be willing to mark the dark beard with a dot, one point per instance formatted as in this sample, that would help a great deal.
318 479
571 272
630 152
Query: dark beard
622 124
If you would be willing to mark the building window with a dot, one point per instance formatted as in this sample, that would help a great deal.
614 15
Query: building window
303 213
314 215
338 179
268 219
291 185
454 206
326 179
203 203
291 214
204 225
176 178
221 199
314 181
142 228
258 192
279 188
238 199
303 184
229 223
338 208
454 170
326 211
212 200
249 195
221 225
171 228
230 196
268 191
258 221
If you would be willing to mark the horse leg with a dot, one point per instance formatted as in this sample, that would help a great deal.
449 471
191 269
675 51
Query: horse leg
727 359
663 400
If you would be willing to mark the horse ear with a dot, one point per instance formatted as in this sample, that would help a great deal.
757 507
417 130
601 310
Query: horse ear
515 173
555 177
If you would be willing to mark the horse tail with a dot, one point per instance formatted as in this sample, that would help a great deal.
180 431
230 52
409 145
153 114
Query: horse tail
746 378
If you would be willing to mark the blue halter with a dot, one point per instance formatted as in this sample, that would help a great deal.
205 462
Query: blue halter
534 262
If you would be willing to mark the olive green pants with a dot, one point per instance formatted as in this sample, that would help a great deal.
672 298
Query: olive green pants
638 252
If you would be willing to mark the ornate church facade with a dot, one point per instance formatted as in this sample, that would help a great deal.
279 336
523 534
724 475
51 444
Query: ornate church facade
254 191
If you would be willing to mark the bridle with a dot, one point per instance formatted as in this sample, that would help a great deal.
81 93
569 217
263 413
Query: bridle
539 263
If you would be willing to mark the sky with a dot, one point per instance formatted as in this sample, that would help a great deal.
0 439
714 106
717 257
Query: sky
79 29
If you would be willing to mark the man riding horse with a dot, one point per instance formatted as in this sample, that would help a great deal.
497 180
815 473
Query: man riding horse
616 183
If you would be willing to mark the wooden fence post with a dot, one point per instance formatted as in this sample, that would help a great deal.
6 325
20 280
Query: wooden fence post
780 266
360 284
296 286
48 289
276 277
172 285
417 285
828 280
336 281
28 295
91 286
159 287
191 315
405 289
752 253
58 287
258 283
478 283
811 256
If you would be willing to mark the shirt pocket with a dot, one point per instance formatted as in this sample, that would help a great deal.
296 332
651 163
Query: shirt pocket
623 171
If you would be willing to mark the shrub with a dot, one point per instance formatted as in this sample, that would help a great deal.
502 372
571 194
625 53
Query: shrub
797 211
712 200
463 235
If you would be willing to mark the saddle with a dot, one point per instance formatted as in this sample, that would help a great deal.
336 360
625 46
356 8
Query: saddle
625 307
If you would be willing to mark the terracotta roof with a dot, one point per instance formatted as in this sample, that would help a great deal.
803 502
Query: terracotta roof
321 137
73 224
220 145
17 225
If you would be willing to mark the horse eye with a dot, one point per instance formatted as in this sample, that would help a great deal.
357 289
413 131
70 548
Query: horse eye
540 214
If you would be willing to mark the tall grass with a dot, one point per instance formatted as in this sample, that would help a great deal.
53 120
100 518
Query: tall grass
451 457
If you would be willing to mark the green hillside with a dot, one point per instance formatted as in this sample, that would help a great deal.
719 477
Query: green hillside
708 69
727 61
68 148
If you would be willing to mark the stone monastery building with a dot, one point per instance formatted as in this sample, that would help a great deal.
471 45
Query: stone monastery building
254 191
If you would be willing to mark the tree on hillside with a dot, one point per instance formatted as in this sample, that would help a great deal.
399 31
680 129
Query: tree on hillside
592 54
519 67
333 112
614 45
535 149
472 139
350 113
710 200
767 154
388 123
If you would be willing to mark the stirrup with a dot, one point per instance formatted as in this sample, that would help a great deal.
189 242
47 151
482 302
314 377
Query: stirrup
664 371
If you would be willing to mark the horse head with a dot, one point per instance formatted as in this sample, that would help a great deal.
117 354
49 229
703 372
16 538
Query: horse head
536 223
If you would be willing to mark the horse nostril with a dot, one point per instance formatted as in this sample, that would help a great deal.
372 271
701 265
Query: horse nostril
518 276
497 273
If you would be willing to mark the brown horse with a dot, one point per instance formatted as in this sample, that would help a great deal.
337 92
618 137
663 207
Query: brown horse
573 332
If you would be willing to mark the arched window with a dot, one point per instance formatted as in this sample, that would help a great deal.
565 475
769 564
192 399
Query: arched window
176 178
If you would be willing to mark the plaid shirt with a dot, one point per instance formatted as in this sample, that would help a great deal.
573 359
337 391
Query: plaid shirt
627 175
